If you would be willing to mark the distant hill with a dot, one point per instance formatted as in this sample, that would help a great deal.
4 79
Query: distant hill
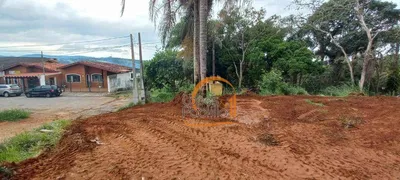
72 59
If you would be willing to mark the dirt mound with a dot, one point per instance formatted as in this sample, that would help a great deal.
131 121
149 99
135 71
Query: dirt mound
178 99
153 142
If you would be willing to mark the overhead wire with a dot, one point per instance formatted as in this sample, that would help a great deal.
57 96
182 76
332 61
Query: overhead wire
76 42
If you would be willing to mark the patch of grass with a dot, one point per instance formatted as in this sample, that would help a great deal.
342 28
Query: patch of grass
13 115
313 103
31 143
268 139
121 94
341 91
161 95
350 122
131 104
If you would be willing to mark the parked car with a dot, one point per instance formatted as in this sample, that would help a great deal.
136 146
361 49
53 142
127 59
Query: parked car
46 90
7 90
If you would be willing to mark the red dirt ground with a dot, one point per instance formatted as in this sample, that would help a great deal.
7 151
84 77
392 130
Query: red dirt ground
151 141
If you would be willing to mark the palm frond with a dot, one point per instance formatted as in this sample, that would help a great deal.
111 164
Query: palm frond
168 9
122 7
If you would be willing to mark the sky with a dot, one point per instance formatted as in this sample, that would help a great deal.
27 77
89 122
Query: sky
95 26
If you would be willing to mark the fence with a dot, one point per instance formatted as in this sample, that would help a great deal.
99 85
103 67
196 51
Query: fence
119 82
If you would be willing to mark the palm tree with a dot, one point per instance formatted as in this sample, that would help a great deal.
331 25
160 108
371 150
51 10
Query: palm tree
197 12
196 47
203 16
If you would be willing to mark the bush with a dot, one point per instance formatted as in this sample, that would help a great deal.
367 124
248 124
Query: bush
293 90
161 95
13 115
392 84
31 143
186 87
343 90
272 84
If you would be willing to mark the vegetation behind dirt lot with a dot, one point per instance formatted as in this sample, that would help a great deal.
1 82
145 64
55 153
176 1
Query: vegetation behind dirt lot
31 143
121 94
13 115
296 54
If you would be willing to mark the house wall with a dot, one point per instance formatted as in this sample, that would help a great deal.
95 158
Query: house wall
83 71
90 71
120 82
20 81
2 78
21 69
79 70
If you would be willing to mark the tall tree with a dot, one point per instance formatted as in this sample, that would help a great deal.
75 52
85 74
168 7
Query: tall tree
199 11
203 16
374 17
196 45
340 19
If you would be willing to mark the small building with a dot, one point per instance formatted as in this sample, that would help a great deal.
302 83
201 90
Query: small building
30 74
89 76
82 76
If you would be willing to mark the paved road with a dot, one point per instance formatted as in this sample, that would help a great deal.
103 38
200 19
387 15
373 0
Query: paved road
58 103
44 110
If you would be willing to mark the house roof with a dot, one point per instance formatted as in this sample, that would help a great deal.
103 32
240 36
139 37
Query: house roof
115 68
23 75
48 66
6 62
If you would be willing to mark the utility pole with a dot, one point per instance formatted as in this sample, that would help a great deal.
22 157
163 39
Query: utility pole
135 91
44 72
141 66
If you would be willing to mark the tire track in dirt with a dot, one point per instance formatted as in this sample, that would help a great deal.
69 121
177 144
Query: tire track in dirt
152 141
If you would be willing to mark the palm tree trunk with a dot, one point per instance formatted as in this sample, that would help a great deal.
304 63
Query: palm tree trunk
213 58
203 37
196 47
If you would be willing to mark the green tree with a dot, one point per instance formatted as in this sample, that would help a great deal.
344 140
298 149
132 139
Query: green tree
166 70
343 21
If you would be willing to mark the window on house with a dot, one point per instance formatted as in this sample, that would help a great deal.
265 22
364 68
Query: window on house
97 78
73 78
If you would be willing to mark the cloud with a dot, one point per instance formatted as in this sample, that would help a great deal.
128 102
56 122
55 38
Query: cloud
44 22
2 2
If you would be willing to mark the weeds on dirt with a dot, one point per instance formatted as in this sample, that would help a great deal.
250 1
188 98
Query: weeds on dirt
131 104
314 103
341 91
5 173
161 95
31 143
121 94
13 115
268 139
350 122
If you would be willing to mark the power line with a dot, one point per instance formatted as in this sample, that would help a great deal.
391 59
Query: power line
147 43
77 42
98 49
56 50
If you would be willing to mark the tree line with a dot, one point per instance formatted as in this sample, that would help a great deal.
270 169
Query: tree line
340 45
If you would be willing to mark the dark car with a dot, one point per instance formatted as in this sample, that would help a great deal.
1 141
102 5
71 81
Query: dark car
46 90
